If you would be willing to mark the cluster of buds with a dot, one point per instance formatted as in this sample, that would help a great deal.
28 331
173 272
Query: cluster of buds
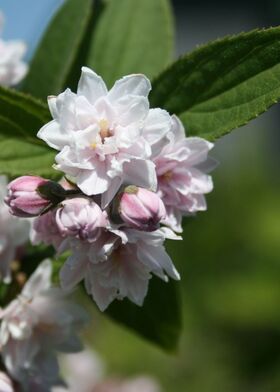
130 176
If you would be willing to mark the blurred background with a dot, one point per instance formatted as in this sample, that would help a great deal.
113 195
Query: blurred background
230 257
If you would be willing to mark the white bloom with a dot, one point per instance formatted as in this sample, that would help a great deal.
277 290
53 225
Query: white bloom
12 68
6 384
182 182
118 264
106 138
14 232
34 326
82 371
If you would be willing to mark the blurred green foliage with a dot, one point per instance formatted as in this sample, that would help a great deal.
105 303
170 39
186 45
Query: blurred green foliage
230 266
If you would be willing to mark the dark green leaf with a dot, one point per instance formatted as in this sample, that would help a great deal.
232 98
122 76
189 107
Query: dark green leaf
58 49
224 84
159 320
20 151
132 36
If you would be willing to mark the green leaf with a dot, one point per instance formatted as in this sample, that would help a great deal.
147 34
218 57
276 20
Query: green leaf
58 49
159 320
132 36
223 85
20 151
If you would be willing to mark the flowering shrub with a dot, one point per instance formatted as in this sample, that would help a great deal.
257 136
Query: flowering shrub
105 175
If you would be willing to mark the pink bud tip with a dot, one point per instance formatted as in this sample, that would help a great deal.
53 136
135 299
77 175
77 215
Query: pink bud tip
23 198
141 209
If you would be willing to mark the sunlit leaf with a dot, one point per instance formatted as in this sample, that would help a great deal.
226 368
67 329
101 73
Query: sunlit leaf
222 85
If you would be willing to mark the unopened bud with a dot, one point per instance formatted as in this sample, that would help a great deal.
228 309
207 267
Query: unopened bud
80 217
141 209
23 197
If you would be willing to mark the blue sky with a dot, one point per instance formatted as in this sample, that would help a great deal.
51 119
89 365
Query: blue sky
27 19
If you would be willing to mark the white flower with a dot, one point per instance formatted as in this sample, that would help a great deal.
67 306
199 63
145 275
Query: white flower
119 264
12 68
82 371
34 326
14 233
6 384
182 182
106 138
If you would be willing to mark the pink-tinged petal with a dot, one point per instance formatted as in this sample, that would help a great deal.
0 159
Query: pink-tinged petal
53 135
136 84
157 125
140 173
103 296
73 271
91 85
133 278
39 281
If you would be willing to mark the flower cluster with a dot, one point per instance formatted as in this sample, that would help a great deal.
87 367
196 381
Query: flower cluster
130 177
12 68
35 326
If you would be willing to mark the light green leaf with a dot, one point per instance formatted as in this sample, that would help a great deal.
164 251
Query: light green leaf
58 49
159 320
223 85
132 36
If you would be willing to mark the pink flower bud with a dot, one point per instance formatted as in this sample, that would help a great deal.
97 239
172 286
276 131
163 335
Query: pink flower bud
23 197
80 217
141 208
5 383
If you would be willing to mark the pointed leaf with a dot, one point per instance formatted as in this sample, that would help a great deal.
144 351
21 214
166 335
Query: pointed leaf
132 36
222 85
58 49
159 320
21 152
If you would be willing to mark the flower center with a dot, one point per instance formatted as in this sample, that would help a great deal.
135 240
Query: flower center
167 176
104 132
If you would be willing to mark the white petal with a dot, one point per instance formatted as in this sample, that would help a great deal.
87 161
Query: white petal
178 130
91 85
159 256
136 84
93 182
108 195
157 125
132 110
140 173
103 296
53 135
199 149
73 271
39 281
